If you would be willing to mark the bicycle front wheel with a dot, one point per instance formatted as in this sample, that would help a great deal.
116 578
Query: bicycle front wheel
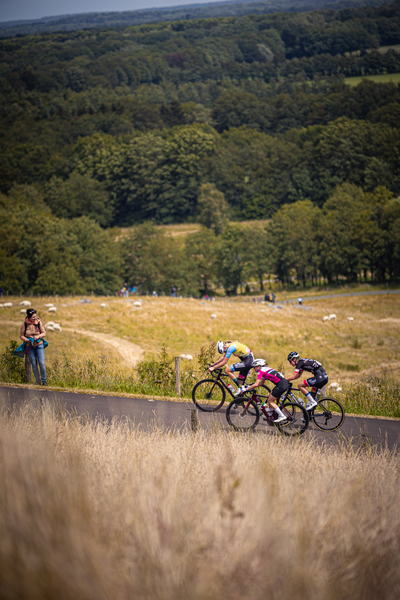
236 419
328 415
296 419
208 395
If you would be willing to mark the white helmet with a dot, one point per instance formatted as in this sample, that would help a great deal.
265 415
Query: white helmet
220 347
259 362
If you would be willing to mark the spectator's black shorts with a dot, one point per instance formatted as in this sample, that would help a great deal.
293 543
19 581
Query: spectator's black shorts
244 366
280 388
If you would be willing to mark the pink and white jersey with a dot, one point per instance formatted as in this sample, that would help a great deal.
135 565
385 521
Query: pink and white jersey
270 374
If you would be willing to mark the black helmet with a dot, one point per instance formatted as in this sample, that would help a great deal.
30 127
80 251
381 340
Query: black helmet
293 355
30 312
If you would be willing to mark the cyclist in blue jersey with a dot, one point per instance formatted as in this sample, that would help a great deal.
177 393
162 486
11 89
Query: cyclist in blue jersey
243 367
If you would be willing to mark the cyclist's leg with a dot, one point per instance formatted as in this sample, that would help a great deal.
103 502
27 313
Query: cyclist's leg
239 371
276 393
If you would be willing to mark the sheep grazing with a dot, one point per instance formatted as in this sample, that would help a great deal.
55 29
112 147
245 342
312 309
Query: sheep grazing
213 316
103 305
52 310
339 389
52 326
137 303
186 357
350 318
333 385
22 311
7 304
332 317
26 303
326 318
48 305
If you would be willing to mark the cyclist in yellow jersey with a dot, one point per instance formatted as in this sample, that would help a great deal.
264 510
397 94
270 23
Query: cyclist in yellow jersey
243 367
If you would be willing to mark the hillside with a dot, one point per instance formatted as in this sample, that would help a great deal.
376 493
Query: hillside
173 13
209 121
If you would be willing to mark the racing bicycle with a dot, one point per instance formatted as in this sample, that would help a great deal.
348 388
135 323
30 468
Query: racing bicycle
328 415
209 394
243 414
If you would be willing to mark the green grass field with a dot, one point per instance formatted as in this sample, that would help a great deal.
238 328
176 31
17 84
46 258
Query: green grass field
394 77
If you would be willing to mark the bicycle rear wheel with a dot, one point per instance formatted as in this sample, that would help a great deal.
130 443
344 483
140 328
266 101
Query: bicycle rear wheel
233 415
262 389
328 415
296 419
208 395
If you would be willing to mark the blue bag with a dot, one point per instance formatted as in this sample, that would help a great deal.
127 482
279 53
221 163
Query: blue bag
24 348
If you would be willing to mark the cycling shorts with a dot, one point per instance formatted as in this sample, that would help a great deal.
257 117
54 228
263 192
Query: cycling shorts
244 366
280 388
318 381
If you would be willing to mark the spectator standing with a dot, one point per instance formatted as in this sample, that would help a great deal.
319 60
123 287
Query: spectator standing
32 332
173 291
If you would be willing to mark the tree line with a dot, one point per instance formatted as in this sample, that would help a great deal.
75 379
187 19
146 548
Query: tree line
353 236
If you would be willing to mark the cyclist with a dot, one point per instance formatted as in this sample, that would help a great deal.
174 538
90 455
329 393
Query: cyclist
281 385
243 367
318 380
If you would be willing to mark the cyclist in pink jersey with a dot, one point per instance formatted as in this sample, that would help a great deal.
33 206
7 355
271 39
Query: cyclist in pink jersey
265 373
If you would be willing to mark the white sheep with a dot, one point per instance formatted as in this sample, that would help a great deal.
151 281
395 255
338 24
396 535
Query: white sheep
52 310
350 318
51 323
326 318
332 317
49 328
57 327
186 357
339 389
333 385
22 311
137 303
25 303
1 305
7 304
213 316
48 305
103 305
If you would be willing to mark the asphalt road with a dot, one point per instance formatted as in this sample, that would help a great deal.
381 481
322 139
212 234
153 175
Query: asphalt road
181 415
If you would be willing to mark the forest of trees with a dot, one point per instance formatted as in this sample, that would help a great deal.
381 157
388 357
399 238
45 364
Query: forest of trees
210 120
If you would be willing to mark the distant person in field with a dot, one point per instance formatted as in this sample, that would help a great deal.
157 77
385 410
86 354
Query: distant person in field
318 380
32 332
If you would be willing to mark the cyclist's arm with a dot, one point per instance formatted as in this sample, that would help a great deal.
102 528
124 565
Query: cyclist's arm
219 363
257 383
294 376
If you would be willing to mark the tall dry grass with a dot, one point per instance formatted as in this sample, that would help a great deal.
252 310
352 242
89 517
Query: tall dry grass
95 510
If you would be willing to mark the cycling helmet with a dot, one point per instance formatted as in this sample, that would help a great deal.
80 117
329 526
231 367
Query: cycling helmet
259 362
220 347
292 356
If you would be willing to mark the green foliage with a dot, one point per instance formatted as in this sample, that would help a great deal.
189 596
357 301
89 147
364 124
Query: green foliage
375 396
206 356
157 373
12 368
213 210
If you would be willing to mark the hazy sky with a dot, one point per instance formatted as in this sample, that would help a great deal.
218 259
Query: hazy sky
15 10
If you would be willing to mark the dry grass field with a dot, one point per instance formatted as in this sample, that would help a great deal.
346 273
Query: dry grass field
368 345
93 510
